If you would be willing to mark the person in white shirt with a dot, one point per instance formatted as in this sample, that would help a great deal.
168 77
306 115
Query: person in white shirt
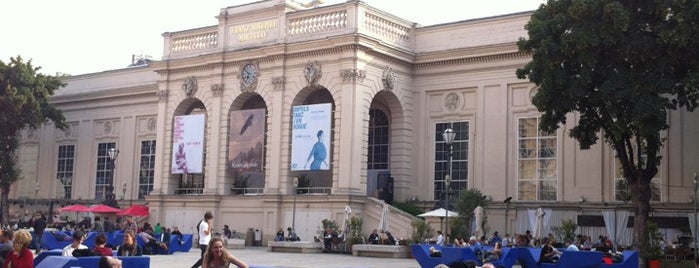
571 246
78 237
204 229
440 238
507 241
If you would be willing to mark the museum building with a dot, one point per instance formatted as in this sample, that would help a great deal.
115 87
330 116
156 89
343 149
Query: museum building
284 115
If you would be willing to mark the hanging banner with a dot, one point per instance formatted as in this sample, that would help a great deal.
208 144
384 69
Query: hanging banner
246 140
310 132
188 144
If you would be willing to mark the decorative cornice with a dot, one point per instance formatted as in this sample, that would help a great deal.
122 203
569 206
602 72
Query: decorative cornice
351 75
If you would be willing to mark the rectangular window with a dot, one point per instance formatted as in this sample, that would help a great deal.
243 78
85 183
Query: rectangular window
146 173
104 175
459 159
64 171
537 162
621 188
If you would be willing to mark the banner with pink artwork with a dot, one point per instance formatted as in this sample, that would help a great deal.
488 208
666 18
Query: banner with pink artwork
188 144
246 146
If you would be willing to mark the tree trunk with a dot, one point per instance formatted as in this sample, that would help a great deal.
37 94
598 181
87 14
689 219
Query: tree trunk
4 192
640 196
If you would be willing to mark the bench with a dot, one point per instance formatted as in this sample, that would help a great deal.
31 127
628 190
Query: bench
49 241
65 262
235 243
295 247
421 254
380 251
577 259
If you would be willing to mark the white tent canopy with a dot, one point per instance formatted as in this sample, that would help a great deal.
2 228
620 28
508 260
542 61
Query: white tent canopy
438 213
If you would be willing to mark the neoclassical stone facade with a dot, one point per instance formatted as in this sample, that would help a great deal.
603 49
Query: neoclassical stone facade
393 86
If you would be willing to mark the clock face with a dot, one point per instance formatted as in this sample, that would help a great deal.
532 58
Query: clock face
249 73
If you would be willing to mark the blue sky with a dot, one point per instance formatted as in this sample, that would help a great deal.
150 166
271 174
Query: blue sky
85 36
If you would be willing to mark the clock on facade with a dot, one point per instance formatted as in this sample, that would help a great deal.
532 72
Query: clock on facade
249 73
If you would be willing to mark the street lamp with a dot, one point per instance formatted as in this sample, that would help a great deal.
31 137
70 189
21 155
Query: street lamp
113 153
293 219
696 231
448 136
36 195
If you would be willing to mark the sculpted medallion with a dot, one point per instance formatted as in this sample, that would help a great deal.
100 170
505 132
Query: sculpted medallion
312 72
190 85
451 101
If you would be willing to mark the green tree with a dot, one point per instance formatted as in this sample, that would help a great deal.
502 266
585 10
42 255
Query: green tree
24 103
620 66
468 201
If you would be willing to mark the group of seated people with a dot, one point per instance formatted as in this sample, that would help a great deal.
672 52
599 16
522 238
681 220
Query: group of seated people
129 247
291 235
375 238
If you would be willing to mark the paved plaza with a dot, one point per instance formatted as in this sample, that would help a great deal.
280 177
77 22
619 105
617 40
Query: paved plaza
259 256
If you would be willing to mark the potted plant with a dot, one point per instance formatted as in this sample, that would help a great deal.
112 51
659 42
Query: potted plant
652 252
421 231
355 231
566 231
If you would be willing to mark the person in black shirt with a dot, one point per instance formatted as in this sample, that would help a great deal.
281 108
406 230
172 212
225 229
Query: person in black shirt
227 231
389 237
6 246
374 237
39 224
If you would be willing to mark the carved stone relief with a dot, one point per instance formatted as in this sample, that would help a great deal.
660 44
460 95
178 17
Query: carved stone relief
190 86
351 75
278 82
151 124
108 127
217 89
532 93
68 131
162 95
451 101
388 78
312 72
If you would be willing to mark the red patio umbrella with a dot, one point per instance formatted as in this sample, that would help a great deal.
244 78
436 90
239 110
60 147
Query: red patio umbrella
135 210
76 208
103 209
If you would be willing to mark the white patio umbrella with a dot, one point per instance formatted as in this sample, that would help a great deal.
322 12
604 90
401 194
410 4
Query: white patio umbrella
438 213
539 224
345 221
383 223
478 212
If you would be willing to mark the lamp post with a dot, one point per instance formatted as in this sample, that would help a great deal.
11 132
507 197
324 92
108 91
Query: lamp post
293 218
696 231
113 153
123 191
448 136
36 195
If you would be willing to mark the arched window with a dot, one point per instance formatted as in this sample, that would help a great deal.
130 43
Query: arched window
377 157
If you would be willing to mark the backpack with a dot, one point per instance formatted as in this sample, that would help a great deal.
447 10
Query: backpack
199 224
